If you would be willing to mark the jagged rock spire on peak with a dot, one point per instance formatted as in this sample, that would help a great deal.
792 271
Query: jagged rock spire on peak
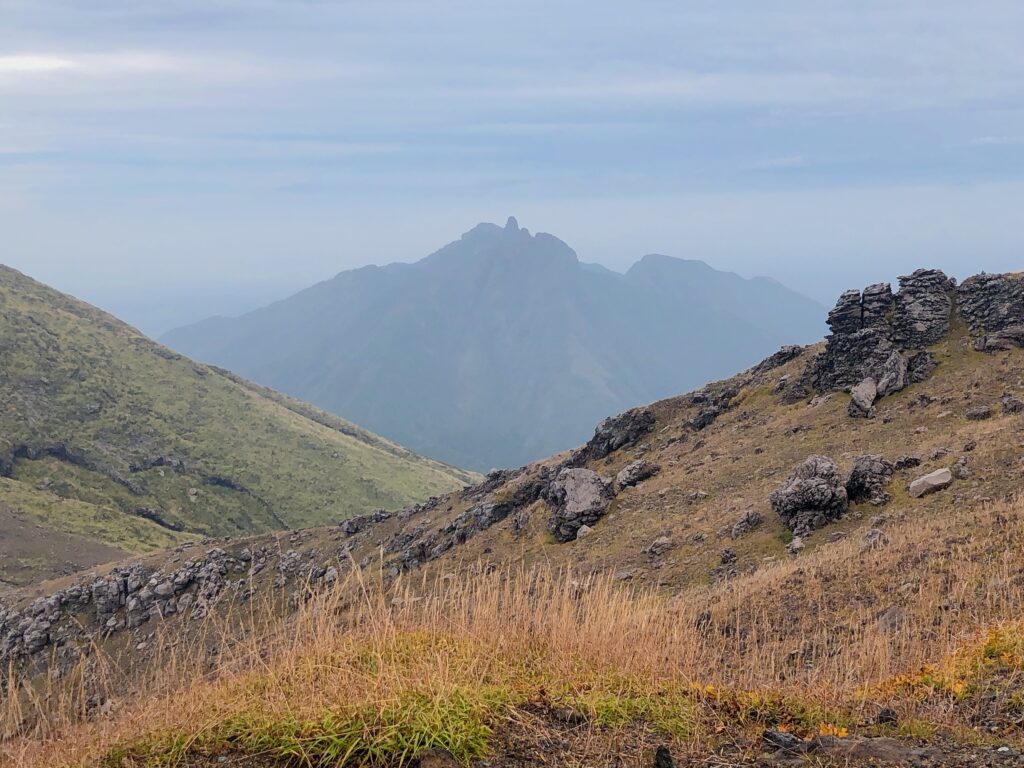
512 224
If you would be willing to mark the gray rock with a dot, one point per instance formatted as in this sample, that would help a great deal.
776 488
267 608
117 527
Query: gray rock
992 306
1010 404
748 521
617 432
796 545
813 496
583 532
868 477
920 366
636 472
960 470
862 398
930 483
923 308
660 546
579 497
979 413
894 374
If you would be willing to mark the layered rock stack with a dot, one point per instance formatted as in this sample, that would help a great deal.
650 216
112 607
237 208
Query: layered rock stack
879 339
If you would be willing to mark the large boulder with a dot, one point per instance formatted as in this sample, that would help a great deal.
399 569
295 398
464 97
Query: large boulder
930 483
579 497
868 478
813 496
862 398
922 308
636 472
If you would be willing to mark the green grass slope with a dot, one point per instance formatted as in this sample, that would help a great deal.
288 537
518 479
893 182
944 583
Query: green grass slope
108 436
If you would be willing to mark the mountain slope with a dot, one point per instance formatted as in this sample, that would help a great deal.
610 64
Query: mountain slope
108 436
759 582
502 347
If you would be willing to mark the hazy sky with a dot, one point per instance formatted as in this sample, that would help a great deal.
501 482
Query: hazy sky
173 158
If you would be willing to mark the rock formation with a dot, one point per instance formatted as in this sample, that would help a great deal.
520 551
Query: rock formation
813 496
579 497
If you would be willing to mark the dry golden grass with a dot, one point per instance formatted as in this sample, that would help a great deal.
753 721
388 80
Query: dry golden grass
928 625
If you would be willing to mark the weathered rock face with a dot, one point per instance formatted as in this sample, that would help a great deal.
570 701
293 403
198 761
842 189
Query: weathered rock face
930 483
993 308
868 478
813 496
872 329
894 374
924 305
850 358
617 432
920 366
579 497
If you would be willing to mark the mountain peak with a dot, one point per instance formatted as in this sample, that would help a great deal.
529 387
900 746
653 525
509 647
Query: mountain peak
512 224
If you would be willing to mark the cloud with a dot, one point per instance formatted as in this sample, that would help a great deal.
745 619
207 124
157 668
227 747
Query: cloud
31 64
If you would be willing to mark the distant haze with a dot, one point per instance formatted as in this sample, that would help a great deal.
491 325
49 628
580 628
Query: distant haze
172 159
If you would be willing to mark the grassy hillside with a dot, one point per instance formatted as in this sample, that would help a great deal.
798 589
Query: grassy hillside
109 436
684 618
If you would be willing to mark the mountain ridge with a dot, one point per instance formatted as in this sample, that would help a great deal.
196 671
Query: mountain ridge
500 330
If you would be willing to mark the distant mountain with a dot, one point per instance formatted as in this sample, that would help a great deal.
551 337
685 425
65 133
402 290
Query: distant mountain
503 347
110 442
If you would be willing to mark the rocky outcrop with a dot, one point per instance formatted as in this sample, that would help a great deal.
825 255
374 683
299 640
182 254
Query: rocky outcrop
868 479
923 308
872 330
813 496
616 432
992 306
578 497
778 359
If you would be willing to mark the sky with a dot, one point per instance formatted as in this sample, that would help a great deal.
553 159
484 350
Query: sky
172 159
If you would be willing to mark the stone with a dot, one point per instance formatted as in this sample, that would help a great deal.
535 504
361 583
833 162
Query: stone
922 309
920 366
893 375
813 496
979 413
992 306
748 521
867 479
583 532
778 359
579 497
663 758
930 483
727 557
660 546
848 359
1009 404
876 305
617 432
960 470
845 317
862 398
636 472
